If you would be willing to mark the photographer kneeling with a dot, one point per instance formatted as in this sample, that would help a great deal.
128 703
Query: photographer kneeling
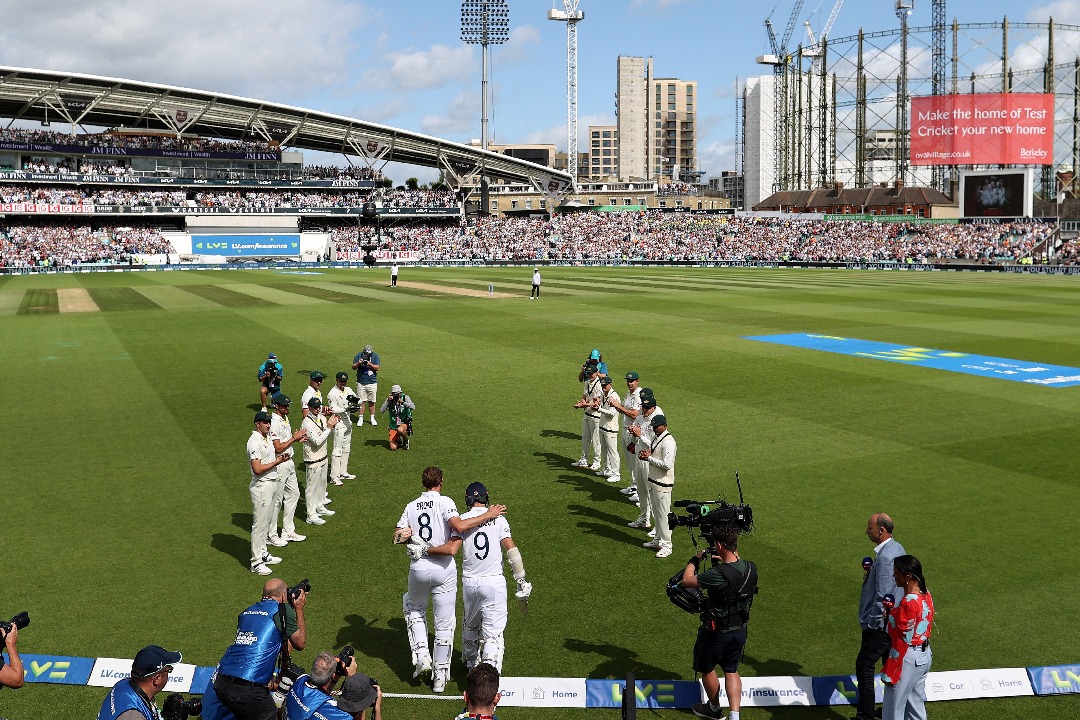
400 407
310 694
730 585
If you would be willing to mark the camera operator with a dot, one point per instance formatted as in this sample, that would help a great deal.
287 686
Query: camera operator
11 672
264 631
400 407
594 359
590 422
366 364
481 693
310 695
730 585
339 399
270 377
133 697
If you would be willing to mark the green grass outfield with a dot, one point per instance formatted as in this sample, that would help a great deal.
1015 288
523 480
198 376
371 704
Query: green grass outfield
126 513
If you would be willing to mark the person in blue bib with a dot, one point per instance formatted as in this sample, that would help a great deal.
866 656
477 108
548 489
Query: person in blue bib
133 697
270 373
263 632
310 694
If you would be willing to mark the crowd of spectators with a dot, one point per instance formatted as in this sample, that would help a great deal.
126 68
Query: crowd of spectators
84 166
59 244
152 142
677 187
256 199
652 235
334 172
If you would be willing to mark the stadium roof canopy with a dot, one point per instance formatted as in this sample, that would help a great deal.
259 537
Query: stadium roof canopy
90 100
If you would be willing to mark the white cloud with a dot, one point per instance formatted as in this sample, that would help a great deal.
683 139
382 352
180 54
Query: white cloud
424 69
462 115
556 134
516 49
259 48
1063 12
659 5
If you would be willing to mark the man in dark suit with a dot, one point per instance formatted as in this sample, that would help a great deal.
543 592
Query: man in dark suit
877 583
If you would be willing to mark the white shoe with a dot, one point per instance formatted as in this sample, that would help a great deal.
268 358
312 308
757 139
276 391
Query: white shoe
439 683
348 476
325 512
580 463
316 521
337 482
663 552
652 545
269 559
614 479
629 490
652 533
326 500
373 422
594 467
421 668
277 541
261 569
634 499
294 537
639 523
360 421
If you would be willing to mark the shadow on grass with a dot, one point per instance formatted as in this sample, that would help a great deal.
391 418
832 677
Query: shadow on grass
255 407
238 547
554 461
618 661
609 525
242 521
598 488
560 434
390 644
378 443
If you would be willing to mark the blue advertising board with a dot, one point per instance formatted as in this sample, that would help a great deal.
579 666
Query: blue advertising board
245 245
649 693
1056 680
56 669
1001 368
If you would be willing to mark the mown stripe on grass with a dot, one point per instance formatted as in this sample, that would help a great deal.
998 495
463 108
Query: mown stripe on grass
39 300
313 291
9 302
223 296
121 298
358 294
399 292
173 298
274 295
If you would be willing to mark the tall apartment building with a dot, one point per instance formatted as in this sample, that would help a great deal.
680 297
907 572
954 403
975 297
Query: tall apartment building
603 151
657 138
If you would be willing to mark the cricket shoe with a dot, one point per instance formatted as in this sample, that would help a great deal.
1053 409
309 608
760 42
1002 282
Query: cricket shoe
316 521
373 422
652 545
663 552
639 523
261 569
294 537
594 467
614 478
348 476
325 512
631 490
652 533
269 559
277 541
580 463
702 710
336 481
438 684
360 421
422 668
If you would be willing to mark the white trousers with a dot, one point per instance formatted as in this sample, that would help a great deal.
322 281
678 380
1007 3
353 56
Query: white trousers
262 514
430 579
288 496
639 472
339 460
485 616
609 441
660 503
590 438
315 487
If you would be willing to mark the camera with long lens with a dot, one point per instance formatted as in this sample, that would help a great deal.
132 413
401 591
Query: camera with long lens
19 621
353 403
591 365
295 590
347 653
177 708
289 675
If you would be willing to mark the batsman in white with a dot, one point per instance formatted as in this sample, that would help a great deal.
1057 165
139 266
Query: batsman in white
428 520
482 581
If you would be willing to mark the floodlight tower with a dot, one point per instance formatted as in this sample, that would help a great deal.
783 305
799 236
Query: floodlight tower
484 23
571 16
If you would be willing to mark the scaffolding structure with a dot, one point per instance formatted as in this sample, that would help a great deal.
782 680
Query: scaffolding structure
845 105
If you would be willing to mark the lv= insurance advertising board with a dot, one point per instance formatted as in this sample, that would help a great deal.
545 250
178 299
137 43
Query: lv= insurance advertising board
983 129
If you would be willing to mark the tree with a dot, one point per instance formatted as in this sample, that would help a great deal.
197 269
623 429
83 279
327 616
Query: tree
412 183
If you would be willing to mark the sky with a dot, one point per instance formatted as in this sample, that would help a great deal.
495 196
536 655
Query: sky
402 63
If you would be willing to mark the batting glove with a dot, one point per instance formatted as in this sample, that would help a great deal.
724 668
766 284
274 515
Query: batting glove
416 548
524 589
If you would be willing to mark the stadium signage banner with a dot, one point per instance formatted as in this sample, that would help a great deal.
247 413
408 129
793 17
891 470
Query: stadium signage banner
270 156
913 219
409 256
542 692
46 208
967 684
57 669
983 129
994 367
1056 680
245 245
653 694
109 671
104 179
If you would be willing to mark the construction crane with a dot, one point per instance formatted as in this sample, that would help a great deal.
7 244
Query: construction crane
779 60
816 43
571 16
